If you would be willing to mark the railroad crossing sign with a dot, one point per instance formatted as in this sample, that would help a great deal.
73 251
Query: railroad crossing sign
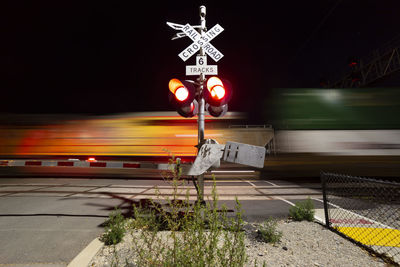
201 67
198 40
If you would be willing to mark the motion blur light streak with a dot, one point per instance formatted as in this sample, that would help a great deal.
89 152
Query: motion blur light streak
194 135
142 134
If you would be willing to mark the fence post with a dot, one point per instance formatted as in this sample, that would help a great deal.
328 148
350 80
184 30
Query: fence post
323 180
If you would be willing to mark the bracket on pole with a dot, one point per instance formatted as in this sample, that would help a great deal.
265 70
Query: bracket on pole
209 156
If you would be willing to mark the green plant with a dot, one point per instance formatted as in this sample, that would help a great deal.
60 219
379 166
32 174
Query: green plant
198 235
268 233
114 229
256 265
303 210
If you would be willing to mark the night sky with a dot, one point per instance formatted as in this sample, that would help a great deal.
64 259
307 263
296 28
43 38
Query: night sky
116 56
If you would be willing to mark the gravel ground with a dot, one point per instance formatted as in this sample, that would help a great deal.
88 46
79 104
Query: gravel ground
302 244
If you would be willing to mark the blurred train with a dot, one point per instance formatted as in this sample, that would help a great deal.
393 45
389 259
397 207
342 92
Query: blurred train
145 136
356 131
356 121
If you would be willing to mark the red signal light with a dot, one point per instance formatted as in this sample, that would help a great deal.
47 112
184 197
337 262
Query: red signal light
181 93
352 64
182 96
178 89
216 88
218 94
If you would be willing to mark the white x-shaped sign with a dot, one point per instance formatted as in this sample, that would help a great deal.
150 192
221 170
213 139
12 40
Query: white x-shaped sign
198 40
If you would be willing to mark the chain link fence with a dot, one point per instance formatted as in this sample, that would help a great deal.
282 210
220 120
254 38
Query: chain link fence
364 210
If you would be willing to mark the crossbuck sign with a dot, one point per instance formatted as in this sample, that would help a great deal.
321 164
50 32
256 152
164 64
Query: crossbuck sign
198 40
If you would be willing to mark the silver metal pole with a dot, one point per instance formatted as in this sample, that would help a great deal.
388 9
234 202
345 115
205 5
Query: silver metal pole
201 82
200 120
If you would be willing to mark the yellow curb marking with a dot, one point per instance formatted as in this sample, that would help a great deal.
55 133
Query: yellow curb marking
373 236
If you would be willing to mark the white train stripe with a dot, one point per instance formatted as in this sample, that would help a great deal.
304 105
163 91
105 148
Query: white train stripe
92 164
88 164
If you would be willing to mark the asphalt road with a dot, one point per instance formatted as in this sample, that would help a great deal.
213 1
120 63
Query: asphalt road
48 221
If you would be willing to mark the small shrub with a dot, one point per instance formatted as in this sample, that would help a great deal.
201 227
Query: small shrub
268 233
303 210
114 229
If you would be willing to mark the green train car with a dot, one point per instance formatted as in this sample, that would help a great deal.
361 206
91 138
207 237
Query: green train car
334 109
356 121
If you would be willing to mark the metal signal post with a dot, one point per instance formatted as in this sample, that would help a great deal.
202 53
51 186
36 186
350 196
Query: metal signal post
201 101
190 97
201 80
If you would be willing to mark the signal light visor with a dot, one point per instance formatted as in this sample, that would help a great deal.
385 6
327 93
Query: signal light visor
174 84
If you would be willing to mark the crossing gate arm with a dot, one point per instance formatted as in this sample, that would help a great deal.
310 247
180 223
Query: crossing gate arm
208 157
244 154
87 164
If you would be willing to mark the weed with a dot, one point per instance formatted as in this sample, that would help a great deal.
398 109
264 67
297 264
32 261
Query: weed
268 233
303 210
199 235
256 264
114 229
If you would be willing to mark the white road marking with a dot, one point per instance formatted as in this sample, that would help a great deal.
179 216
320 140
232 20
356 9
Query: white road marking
279 198
284 200
291 203
251 183
357 215
271 183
